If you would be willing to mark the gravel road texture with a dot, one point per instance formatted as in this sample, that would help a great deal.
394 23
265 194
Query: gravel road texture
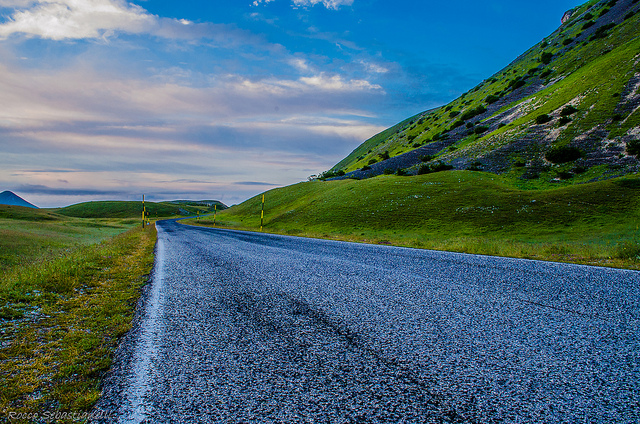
250 327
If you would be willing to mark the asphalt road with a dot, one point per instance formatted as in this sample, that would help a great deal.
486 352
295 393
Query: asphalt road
249 327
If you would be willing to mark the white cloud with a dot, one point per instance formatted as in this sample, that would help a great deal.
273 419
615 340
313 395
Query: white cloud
75 19
329 4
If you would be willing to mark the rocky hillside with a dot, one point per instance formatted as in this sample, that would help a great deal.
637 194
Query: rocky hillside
567 109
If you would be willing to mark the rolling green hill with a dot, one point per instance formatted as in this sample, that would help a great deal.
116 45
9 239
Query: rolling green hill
122 209
569 105
464 211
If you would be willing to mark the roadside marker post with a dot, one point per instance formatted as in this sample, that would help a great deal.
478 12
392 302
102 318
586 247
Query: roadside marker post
215 210
144 212
262 213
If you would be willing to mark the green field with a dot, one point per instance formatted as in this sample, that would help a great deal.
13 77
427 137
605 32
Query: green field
594 223
68 289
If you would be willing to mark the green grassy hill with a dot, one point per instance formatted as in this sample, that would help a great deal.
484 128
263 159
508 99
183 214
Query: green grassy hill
463 211
569 105
121 209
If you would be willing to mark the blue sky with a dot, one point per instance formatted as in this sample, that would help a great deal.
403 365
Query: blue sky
207 99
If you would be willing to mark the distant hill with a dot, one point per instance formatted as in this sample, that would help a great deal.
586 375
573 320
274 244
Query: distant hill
568 109
12 199
133 209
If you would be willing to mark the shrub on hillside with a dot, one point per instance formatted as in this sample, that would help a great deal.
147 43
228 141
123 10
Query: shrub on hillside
481 129
365 168
426 158
384 156
546 57
633 147
568 110
388 171
542 119
602 31
401 172
563 154
603 12
473 113
588 16
546 73
475 166
491 99
564 120
372 161
567 41
437 167
588 24
454 113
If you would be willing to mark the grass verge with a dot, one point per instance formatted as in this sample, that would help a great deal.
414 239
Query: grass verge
61 321
463 211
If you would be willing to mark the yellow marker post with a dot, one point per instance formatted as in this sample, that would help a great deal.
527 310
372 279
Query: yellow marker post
198 212
262 213
144 212
215 210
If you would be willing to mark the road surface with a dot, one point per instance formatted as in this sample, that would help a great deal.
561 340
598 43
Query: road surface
250 327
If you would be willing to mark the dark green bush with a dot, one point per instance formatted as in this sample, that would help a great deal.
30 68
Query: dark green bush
412 137
542 119
564 120
437 167
588 24
602 31
475 166
416 145
424 169
401 172
544 44
603 12
481 129
491 99
426 158
568 110
588 16
567 41
629 15
533 70
519 163
546 57
456 124
517 83
365 168
473 113
546 73
384 156
454 113
565 175
388 171
617 117
469 125
372 161
563 154
633 147
441 166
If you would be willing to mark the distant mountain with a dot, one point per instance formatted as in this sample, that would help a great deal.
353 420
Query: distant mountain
10 198
566 109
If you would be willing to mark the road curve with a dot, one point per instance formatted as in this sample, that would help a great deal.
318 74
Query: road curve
250 327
